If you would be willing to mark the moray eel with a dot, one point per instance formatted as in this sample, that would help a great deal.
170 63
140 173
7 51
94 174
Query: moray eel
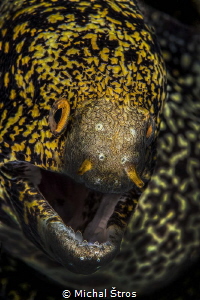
83 86
82 89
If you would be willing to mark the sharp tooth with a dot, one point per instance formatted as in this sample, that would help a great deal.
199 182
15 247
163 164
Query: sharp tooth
84 243
86 166
71 232
133 176
96 243
78 236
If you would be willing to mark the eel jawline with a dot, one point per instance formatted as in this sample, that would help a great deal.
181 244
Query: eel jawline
76 226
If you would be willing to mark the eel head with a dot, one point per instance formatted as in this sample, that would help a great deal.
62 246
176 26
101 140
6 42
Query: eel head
78 215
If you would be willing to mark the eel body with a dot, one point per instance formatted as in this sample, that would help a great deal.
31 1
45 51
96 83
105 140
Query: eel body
83 86
82 89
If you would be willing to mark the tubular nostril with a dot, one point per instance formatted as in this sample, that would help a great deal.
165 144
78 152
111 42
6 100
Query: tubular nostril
86 166
134 176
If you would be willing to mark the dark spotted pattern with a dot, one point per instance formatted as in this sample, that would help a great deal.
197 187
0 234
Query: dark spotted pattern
164 232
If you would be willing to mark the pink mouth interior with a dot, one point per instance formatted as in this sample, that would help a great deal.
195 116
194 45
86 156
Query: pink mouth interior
80 208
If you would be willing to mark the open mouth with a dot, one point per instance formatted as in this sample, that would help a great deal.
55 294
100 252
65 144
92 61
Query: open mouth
86 211
77 226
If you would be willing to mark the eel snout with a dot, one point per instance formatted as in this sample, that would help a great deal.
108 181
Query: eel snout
105 153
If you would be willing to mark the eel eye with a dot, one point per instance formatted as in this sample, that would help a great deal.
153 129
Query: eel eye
150 131
59 116
149 120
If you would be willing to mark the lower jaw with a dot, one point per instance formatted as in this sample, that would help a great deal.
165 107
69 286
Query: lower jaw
78 227
85 210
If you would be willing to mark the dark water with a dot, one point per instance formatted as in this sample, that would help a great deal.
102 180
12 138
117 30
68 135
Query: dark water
186 11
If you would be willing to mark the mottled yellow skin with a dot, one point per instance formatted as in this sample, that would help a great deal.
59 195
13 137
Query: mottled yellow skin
94 52
82 58
78 51
163 235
